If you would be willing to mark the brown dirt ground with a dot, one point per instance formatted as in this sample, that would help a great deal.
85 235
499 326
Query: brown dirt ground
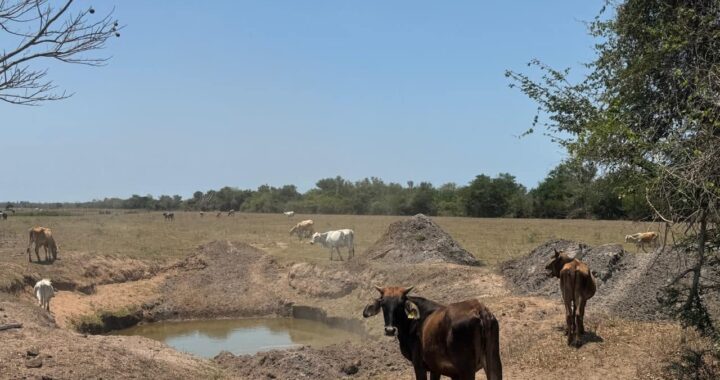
232 279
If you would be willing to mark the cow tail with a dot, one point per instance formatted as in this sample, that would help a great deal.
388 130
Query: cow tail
492 350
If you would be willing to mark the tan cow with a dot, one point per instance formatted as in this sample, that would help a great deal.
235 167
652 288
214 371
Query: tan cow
642 238
577 285
303 229
42 237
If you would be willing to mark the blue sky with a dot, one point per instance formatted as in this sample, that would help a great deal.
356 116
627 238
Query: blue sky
201 95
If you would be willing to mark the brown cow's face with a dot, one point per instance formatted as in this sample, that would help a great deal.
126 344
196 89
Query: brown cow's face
554 266
395 307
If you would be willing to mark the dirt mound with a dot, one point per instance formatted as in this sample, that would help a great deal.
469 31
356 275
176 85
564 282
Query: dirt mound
628 284
223 279
354 361
320 282
419 240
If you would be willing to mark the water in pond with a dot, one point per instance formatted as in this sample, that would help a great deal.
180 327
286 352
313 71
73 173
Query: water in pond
207 338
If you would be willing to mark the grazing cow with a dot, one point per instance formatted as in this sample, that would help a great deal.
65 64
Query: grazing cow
231 212
44 291
456 340
577 285
334 240
169 216
42 237
642 238
202 214
303 229
4 215
289 214
218 214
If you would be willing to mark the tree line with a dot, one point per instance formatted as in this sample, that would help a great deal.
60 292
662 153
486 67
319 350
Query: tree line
570 190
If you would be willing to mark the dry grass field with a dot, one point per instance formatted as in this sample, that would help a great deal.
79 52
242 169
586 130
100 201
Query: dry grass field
146 235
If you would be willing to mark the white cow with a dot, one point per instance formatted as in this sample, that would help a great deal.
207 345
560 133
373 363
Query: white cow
44 291
334 240
289 213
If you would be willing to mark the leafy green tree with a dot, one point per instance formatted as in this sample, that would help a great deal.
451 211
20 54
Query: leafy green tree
650 105
488 197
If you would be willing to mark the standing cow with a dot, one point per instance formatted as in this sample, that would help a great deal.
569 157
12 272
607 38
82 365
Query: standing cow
577 285
303 229
334 240
44 291
642 238
42 237
456 340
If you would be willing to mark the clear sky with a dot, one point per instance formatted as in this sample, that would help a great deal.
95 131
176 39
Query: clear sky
206 94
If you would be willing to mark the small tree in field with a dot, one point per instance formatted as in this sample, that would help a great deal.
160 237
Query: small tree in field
650 106
37 29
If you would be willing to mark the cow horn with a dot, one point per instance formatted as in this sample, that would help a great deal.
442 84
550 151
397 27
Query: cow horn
408 290
379 289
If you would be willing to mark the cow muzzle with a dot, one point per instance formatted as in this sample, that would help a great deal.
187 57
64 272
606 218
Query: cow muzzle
390 331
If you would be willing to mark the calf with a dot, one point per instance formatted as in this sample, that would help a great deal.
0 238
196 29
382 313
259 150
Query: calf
334 240
289 213
456 340
231 212
44 291
642 238
577 286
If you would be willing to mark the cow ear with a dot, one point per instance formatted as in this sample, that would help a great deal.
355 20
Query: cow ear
371 309
556 252
412 310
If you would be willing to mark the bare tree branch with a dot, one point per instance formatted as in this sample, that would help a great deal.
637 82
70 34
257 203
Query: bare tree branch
44 32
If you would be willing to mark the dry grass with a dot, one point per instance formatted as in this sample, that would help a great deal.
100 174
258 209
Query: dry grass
146 235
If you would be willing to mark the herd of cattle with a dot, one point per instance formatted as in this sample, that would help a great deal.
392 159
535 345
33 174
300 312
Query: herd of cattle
454 340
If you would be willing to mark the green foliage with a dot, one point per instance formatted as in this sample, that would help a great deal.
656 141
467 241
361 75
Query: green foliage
568 191
648 114
492 197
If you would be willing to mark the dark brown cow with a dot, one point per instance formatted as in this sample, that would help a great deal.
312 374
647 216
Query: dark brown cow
455 340
577 285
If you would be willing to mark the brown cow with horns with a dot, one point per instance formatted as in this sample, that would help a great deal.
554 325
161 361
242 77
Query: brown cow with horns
455 340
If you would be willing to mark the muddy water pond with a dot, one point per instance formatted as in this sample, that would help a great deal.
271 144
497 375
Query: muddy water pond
206 338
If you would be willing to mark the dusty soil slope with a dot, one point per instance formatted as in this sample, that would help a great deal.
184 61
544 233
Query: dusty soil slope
628 283
222 280
419 240
62 354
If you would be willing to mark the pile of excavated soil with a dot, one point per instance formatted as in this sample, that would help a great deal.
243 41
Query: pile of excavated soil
368 361
223 279
419 240
629 284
